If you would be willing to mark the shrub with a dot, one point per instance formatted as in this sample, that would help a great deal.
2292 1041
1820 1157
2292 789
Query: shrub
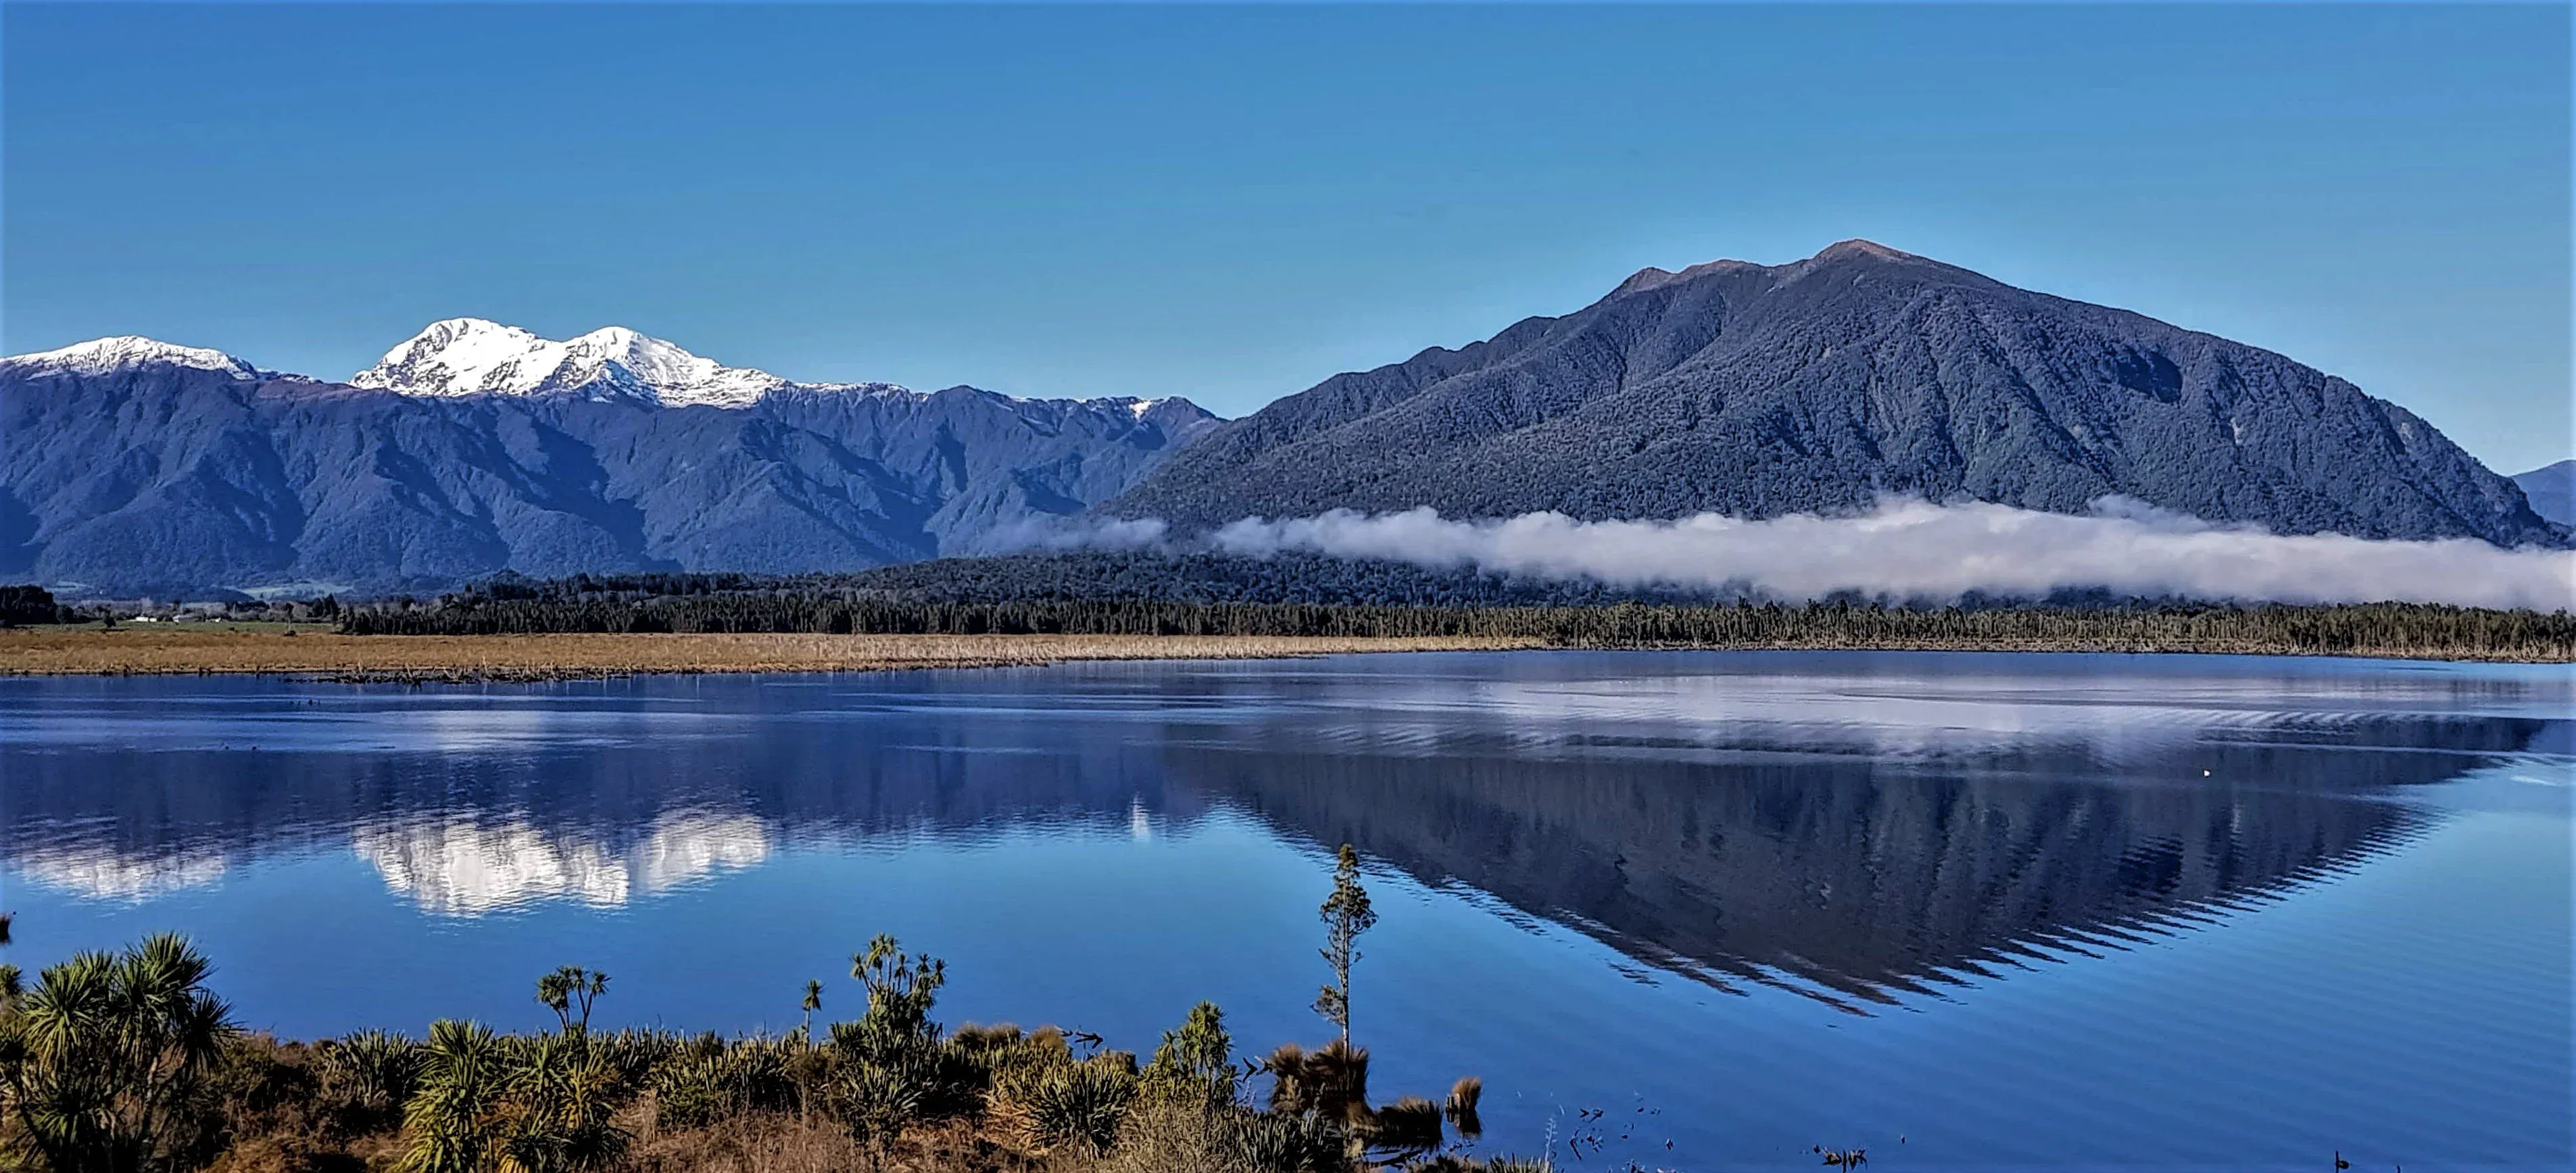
1077 1105
1407 1126
103 1062
1331 1082
1460 1108
1273 1143
1195 1062
369 1076
696 1088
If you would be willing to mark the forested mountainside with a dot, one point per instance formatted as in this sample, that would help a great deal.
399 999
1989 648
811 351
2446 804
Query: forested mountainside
1759 390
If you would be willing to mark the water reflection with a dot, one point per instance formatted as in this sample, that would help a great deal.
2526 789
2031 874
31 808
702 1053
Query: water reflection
104 874
1845 825
460 867
1837 878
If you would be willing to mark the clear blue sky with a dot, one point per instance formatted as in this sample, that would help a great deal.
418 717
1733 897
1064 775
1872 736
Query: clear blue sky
1232 203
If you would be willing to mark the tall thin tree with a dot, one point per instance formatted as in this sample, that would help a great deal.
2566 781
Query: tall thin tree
1346 915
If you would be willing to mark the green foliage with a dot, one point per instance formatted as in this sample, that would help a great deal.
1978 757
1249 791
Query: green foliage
1081 1105
633 1054
124 1064
452 1118
569 992
702 1085
1347 913
1196 1061
891 1069
488 1103
557 1105
901 991
102 1063
373 1073
1275 1143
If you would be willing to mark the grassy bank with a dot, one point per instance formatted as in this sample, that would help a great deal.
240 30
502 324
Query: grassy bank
218 648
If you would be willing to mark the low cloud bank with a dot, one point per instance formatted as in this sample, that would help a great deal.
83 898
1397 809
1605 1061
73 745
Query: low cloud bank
1058 534
1914 551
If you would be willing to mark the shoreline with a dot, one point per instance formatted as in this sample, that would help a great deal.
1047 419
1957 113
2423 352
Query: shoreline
319 653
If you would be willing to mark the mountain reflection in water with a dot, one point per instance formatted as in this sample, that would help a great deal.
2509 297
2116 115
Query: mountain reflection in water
1845 825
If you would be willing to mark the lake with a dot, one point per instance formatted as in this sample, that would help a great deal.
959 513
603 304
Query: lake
1690 910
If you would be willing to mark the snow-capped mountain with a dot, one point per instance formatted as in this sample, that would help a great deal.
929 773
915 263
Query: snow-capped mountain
101 356
132 466
472 356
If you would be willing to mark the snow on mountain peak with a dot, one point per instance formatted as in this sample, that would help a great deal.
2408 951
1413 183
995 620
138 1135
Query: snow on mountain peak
472 356
101 356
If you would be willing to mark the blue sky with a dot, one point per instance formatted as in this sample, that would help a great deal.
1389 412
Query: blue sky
1232 203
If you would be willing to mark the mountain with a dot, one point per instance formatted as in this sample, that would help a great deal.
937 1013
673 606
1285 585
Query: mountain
107 356
470 356
2551 491
134 466
1759 390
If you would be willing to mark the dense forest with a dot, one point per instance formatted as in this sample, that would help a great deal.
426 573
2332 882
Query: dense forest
32 604
1180 575
1108 594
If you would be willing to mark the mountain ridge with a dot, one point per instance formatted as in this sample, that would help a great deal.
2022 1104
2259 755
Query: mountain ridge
2551 489
1824 384
468 356
1818 386
131 466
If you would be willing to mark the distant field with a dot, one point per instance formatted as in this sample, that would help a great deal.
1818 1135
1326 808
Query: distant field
316 650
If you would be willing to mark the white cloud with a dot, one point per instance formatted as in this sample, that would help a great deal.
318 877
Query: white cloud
1912 550
1048 532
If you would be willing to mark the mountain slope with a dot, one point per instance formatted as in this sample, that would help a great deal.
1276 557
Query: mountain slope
2552 491
128 466
1757 390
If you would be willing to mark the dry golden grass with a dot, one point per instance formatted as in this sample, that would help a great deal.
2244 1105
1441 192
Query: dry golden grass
89 650
769 1143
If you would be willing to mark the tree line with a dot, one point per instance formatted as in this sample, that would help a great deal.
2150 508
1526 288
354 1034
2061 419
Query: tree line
2351 629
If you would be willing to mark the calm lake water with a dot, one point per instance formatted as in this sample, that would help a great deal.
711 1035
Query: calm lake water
1964 910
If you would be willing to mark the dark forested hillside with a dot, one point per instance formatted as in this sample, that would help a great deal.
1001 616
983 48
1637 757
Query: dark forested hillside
1758 390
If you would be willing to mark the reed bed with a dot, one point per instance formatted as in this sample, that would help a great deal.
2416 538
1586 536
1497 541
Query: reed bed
45 651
